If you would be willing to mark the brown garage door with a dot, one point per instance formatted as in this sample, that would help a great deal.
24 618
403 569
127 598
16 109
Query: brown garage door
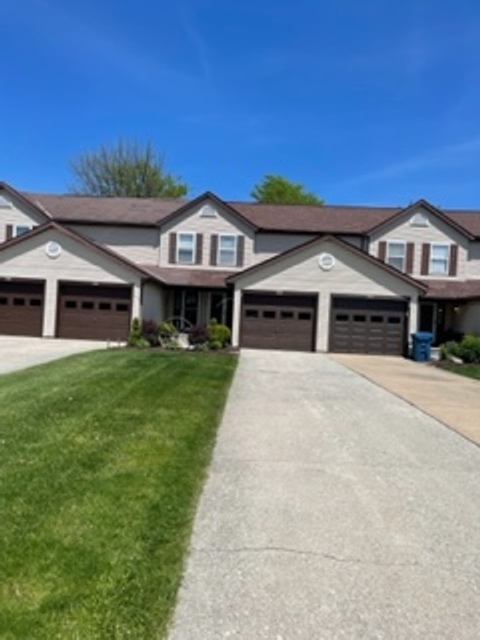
368 325
21 308
272 321
94 313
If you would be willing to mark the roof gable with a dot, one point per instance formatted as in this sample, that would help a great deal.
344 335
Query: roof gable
9 194
206 198
317 242
413 208
78 238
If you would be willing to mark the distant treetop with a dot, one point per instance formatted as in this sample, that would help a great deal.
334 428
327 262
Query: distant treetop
127 169
274 189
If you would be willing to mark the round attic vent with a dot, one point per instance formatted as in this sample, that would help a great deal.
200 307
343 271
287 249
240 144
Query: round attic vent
326 261
53 249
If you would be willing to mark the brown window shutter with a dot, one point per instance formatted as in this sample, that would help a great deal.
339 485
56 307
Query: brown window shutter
410 250
199 256
9 234
172 248
382 251
213 250
240 250
452 269
425 260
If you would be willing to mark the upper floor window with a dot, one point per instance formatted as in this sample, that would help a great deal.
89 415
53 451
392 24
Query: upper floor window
21 229
185 248
396 255
227 250
439 259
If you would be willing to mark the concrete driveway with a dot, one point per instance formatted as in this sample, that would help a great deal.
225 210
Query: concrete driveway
18 352
333 509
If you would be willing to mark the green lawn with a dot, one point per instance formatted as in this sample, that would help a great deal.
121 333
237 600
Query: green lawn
468 370
102 458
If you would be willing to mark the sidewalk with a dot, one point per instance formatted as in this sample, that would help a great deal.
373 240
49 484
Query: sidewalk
450 398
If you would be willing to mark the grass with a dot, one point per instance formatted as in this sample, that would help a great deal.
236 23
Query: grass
468 370
102 458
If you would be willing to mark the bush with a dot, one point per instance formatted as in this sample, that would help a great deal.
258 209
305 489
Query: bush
150 331
218 333
135 337
198 334
469 349
167 330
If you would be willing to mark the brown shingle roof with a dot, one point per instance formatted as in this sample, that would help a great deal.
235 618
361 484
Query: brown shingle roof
175 276
452 290
316 219
282 218
136 211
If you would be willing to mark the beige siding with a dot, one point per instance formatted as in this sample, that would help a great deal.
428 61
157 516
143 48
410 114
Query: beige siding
138 244
351 274
468 318
17 214
193 222
269 245
153 306
436 232
473 264
76 263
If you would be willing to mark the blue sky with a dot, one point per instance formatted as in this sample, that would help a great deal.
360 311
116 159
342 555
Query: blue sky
373 102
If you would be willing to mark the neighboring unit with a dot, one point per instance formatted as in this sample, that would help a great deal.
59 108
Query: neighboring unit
310 278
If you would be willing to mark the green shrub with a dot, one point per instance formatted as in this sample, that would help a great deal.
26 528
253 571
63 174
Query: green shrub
449 349
215 345
167 330
135 337
469 349
218 333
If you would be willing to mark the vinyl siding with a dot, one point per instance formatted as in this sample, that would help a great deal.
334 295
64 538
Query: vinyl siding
192 222
138 244
76 263
468 318
17 214
351 275
268 245
473 264
436 232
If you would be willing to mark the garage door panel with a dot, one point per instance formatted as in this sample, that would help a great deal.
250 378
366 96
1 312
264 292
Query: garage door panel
21 308
368 325
94 313
271 321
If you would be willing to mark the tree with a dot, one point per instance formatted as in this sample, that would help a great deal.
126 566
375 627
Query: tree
125 169
278 190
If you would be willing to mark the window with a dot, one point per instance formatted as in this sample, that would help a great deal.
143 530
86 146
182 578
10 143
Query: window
396 255
439 259
207 211
22 229
419 220
186 248
227 250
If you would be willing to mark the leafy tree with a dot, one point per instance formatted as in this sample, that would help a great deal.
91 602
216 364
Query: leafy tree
125 169
278 190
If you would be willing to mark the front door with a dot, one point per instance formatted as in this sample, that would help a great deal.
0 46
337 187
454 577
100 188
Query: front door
185 308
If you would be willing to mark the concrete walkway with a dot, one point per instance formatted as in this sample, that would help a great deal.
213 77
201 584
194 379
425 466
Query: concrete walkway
452 399
333 509
18 352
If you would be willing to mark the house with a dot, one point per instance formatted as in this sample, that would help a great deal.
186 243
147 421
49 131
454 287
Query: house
331 278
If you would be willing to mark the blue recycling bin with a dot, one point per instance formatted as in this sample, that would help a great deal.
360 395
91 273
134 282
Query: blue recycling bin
421 346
